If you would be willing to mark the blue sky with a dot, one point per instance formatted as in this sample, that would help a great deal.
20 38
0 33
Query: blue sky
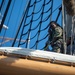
14 16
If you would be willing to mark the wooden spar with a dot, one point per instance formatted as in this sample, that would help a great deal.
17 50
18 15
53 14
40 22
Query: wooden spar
17 66
10 65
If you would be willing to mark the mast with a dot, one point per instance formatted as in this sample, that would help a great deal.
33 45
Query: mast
69 21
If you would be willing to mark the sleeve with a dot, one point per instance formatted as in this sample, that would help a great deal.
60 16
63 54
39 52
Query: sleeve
50 38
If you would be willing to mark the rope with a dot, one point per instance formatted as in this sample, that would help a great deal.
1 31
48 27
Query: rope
34 23
36 20
17 16
1 4
5 14
8 22
20 25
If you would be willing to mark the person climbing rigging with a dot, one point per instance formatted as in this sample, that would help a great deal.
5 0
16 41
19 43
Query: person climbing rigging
55 38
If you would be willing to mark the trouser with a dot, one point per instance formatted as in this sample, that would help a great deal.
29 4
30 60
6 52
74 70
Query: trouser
56 49
57 46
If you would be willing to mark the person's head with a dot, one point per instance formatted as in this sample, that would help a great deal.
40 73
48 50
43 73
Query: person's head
53 24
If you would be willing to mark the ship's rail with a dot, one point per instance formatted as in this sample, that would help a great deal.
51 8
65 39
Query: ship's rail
38 55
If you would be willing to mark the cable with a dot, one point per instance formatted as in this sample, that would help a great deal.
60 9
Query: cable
5 14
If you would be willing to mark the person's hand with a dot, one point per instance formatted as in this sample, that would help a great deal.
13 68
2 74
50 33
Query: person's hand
46 46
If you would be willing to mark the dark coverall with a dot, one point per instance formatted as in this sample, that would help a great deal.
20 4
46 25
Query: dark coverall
55 39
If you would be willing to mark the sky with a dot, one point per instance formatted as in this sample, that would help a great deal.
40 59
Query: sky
14 16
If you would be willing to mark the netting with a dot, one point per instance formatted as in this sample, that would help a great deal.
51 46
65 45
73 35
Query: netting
34 23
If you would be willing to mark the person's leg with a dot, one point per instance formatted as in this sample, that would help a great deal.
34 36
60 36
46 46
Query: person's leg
57 46
56 49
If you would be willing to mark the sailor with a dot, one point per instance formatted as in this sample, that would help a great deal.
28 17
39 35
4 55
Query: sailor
55 38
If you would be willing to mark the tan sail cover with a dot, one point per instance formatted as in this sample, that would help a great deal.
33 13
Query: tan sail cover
70 6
